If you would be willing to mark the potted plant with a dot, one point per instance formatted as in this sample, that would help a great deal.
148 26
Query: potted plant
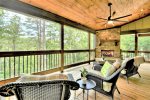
83 75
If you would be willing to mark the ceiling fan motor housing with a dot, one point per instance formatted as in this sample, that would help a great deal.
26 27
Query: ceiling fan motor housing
109 4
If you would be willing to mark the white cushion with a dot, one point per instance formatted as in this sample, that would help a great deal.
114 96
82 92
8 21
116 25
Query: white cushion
95 72
99 59
123 71
138 60
107 86
27 77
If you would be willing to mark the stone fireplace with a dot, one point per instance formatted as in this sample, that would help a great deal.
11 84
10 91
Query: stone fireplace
108 43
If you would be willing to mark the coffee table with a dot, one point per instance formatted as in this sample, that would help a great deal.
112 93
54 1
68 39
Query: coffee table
90 84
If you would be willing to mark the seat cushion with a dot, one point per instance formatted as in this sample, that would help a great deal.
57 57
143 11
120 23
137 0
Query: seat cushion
27 77
138 60
107 86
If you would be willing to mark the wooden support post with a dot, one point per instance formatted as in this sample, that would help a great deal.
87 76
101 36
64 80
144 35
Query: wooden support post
62 48
95 44
136 44
89 45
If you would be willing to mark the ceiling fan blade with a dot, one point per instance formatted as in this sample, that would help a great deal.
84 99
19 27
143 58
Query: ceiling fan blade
102 18
113 13
104 24
119 20
122 17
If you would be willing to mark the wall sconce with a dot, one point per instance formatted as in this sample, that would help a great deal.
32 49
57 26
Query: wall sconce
116 43
100 44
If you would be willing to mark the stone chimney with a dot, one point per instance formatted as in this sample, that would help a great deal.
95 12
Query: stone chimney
108 40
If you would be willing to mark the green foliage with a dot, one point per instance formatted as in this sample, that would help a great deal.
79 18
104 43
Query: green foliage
84 72
144 43
127 42
19 32
75 39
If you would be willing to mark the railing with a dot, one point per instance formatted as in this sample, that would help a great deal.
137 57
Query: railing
72 57
127 54
145 54
92 55
12 64
76 57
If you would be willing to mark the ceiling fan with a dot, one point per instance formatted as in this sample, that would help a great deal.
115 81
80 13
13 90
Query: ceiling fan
110 19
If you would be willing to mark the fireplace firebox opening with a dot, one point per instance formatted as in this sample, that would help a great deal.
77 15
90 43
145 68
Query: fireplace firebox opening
107 53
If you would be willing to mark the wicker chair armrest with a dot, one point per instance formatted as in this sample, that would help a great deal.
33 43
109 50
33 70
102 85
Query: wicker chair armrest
101 78
6 90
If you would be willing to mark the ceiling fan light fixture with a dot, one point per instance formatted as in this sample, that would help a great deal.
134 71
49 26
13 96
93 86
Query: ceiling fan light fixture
110 22
141 10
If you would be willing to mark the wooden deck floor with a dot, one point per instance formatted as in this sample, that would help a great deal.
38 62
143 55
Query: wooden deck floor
137 89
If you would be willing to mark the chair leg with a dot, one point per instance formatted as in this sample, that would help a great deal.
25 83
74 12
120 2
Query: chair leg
139 74
117 89
127 80
74 94
112 97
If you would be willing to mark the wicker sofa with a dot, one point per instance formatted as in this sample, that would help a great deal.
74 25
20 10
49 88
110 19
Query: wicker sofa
100 80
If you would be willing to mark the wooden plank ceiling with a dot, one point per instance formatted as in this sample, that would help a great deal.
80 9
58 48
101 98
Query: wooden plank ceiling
86 12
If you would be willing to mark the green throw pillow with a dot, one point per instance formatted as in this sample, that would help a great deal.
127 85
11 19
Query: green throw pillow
105 68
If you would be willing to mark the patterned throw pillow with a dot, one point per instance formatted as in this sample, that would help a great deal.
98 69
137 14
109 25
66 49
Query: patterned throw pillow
117 64
105 69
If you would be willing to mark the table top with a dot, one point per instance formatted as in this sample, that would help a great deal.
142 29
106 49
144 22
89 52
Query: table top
90 84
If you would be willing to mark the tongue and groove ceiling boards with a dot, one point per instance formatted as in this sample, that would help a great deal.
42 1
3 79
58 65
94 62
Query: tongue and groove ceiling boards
88 12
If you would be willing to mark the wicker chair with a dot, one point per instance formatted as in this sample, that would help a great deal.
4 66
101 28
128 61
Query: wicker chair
130 69
40 90
110 79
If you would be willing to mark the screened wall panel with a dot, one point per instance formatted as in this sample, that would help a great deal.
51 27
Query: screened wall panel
75 39
20 32
92 41
127 42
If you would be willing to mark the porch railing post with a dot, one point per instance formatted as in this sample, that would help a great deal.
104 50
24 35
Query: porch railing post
136 44
62 48
89 45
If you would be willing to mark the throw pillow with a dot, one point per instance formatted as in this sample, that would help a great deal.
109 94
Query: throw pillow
105 68
116 64
110 71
